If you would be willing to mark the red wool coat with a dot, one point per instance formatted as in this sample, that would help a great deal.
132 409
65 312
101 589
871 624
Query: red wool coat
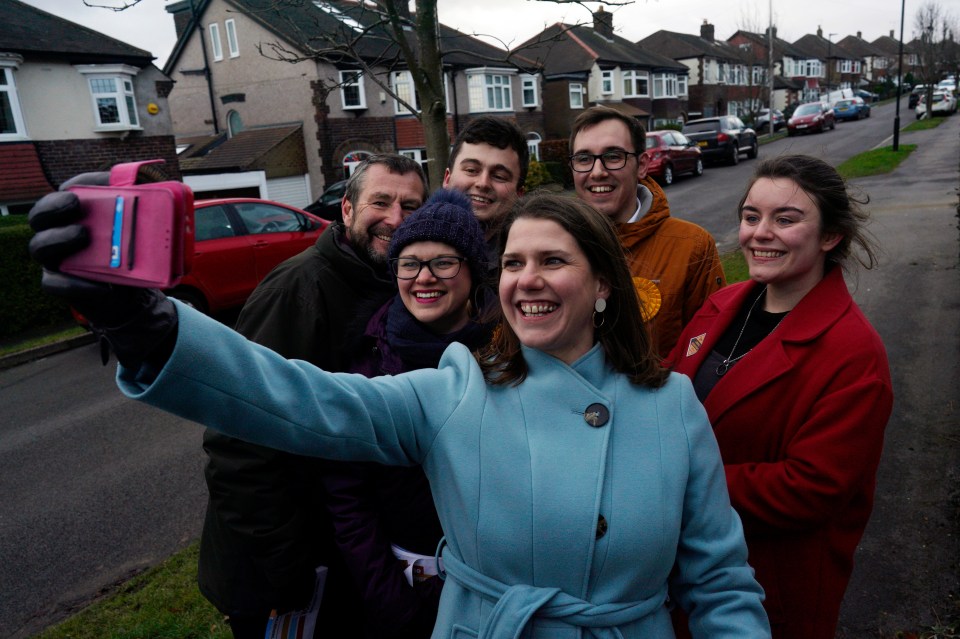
800 424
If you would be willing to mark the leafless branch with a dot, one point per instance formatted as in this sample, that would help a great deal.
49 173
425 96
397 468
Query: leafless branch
126 5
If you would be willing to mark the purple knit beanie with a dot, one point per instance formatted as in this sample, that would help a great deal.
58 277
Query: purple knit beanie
445 217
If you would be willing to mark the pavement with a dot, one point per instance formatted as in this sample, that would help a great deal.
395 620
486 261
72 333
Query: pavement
906 570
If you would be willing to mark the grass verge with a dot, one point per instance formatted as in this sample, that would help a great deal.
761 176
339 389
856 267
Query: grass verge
734 267
161 603
923 125
40 340
875 162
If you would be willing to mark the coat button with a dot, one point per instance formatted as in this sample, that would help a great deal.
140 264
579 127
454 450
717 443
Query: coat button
596 415
601 527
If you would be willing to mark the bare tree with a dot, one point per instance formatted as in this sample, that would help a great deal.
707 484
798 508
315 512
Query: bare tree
935 30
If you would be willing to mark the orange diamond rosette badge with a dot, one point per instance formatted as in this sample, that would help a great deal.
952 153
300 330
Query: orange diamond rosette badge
650 298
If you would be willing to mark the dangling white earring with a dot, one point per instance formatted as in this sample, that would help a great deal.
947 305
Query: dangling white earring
598 308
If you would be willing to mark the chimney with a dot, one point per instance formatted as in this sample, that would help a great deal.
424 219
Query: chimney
767 32
603 23
891 33
859 35
819 32
706 31
182 14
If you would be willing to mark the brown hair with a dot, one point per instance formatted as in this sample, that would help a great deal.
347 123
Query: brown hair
598 114
623 334
840 212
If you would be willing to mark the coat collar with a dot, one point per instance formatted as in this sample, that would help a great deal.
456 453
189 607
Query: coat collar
820 309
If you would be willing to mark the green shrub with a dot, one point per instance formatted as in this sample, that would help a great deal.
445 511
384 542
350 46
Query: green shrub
23 305
537 176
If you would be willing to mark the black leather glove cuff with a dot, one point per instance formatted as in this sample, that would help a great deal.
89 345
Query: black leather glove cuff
147 336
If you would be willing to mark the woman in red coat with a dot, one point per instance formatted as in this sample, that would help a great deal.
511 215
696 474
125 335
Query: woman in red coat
796 383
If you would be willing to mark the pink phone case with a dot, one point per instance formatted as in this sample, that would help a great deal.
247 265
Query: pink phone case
140 235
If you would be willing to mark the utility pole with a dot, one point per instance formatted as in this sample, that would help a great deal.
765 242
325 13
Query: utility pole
896 118
770 68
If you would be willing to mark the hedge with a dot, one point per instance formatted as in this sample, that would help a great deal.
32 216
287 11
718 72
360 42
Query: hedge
23 306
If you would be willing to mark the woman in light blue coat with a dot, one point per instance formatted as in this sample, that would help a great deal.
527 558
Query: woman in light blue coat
579 485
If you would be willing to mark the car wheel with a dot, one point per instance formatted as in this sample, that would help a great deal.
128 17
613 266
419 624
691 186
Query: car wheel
667 175
190 297
735 154
698 169
754 150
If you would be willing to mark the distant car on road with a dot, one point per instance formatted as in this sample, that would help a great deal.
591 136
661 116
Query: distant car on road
868 96
327 205
943 104
670 153
851 109
915 94
762 123
723 138
812 116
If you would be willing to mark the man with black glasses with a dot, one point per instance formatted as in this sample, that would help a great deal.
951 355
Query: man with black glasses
675 264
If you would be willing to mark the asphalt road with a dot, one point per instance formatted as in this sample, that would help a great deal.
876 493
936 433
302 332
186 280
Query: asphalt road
96 487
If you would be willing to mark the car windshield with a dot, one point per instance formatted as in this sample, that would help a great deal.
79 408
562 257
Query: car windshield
807 109
845 103
653 141
701 127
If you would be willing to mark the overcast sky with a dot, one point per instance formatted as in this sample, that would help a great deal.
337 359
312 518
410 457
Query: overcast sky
149 27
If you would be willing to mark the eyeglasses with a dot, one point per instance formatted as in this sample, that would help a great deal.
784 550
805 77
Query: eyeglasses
443 267
611 160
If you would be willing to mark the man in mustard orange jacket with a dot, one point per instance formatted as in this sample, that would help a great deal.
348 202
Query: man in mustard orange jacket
675 264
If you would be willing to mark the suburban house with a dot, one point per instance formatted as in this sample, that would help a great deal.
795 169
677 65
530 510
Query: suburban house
73 100
724 79
841 69
584 65
789 64
890 46
875 61
262 106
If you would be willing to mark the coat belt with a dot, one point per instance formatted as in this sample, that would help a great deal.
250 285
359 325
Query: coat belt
517 605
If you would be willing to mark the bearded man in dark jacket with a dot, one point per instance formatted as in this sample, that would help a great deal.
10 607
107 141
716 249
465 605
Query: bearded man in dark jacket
267 525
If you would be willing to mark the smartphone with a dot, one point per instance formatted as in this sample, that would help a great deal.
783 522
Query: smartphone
140 235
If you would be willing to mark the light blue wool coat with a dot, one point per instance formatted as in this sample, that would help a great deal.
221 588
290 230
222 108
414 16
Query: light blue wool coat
520 480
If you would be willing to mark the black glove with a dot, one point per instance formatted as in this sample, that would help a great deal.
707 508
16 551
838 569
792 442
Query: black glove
136 323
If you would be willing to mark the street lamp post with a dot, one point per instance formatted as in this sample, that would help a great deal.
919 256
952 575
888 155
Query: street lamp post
896 118
829 58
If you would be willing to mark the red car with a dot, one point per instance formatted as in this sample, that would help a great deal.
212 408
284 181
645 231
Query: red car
670 153
813 116
239 241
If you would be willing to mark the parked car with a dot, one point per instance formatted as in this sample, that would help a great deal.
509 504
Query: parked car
237 242
762 123
812 116
723 138
868 96
670 153
943 104
915 94
851 109
327 205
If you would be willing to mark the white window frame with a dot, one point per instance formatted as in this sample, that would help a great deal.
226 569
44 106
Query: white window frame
358 83
664 85
529 82
123 94
490 90
216 46
576 89
682 88
606 82
634 77
402 83
233 45
8 64
533 145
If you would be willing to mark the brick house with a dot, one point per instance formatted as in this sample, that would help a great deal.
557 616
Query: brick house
890 46
840 68
73 100
789 64
724 79
875 61
326 116
584 65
